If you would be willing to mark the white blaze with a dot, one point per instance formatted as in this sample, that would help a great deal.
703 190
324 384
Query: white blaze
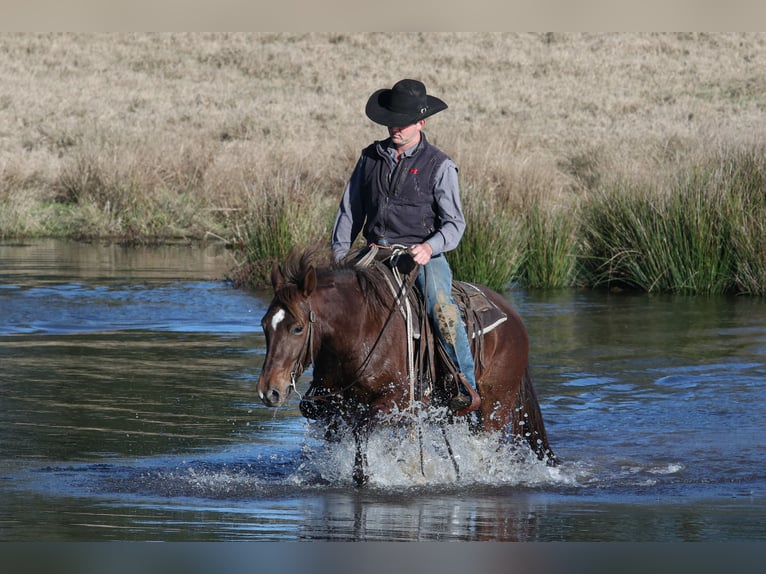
277 319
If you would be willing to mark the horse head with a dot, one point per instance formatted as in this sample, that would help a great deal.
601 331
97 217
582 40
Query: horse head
288 328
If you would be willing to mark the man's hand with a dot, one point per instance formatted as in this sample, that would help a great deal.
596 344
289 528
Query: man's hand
421 253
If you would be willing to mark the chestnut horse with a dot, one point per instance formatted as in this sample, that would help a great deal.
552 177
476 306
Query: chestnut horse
346 321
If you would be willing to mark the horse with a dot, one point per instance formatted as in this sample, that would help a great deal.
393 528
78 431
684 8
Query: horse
347 322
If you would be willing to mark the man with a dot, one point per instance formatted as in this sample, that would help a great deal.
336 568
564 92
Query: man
404 191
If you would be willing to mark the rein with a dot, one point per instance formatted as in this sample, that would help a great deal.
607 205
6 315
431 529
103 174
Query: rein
405 284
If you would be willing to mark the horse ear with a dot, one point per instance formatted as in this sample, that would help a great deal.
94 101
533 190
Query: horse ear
309 281
277 277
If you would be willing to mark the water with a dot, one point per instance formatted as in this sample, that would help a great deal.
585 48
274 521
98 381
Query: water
128 411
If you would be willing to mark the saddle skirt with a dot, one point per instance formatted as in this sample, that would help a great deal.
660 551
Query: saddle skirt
480 315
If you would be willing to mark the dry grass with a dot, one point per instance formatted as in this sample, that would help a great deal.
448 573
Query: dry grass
153 136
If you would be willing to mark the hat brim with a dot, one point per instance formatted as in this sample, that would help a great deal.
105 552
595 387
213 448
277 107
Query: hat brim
378 113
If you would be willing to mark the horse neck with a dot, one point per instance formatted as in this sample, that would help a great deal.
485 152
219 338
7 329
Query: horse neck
348 328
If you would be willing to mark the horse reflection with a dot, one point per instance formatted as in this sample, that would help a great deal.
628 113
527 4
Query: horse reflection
408 518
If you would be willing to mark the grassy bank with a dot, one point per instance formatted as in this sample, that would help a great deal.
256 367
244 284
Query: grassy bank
614 160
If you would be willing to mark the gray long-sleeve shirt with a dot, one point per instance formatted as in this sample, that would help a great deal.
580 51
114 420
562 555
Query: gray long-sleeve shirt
349 220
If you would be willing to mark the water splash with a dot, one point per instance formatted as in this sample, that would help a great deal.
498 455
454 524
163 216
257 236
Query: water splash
418 448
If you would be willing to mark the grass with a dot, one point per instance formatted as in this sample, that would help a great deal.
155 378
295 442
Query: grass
491 251
642 240
700 233
551 258
287 211
630 160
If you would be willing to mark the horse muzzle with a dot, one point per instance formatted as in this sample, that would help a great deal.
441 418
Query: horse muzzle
273 396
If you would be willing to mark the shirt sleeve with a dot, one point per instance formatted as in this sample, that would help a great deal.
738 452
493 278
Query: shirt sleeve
350 216
450 218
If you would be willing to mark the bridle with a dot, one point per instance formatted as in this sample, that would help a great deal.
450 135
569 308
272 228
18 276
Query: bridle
307 352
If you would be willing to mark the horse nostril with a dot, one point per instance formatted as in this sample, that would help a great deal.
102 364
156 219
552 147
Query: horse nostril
273 396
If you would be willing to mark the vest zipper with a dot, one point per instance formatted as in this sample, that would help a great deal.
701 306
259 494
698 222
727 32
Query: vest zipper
398 176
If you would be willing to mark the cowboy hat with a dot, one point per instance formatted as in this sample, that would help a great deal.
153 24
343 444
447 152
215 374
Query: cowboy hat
402 105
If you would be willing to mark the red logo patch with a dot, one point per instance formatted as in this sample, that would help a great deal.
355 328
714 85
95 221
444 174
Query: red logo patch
414 170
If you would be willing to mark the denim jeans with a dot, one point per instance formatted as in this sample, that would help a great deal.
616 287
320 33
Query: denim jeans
435 281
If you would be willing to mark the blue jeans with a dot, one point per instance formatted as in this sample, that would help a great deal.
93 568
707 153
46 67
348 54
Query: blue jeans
435 281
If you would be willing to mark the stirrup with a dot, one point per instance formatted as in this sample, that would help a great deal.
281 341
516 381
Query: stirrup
463 404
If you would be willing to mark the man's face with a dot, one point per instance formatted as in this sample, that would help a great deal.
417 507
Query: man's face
405 137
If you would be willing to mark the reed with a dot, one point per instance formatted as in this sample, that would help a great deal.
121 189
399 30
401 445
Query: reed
552 248
492 249
699 233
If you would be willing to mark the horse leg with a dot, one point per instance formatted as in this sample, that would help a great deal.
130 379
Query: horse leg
528 421
449 450
361 436
362 427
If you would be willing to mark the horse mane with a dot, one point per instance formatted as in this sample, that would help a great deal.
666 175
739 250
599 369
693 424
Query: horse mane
300 259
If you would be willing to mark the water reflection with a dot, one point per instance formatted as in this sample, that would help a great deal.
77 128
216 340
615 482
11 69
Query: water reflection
478 516
42 262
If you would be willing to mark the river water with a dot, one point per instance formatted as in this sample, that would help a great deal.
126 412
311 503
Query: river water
128 411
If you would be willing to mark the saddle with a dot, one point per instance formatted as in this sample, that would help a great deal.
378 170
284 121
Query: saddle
480 315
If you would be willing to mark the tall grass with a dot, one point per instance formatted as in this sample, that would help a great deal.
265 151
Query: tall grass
552 249
745 173
645 240
492 249
700 233
520 220
142 194
750 246
700 229
285 212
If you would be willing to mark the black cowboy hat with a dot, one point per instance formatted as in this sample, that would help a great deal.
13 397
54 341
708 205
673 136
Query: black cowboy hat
402 105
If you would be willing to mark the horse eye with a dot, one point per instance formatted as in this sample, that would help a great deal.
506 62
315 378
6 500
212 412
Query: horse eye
297 330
